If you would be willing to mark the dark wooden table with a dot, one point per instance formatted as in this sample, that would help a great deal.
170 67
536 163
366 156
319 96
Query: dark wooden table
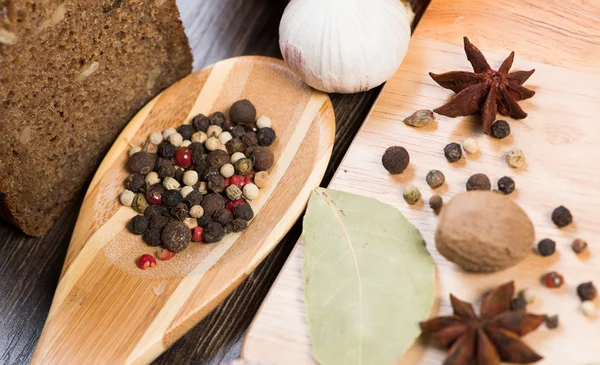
30 267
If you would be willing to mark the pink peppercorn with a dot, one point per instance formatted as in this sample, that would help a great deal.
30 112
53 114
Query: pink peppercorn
146 261
238 180
229 206
183 156
197 234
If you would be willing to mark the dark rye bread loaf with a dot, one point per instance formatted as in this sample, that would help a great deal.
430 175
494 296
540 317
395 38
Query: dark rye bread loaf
72 74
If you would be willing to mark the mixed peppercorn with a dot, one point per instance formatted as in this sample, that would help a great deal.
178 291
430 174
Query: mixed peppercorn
195 183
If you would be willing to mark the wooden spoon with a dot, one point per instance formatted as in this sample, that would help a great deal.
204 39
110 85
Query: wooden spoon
106 310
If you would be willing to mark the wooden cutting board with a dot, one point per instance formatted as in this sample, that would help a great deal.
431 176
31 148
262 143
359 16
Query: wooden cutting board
561 139
106 310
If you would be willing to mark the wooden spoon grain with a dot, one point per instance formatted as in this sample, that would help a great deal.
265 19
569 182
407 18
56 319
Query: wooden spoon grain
106 310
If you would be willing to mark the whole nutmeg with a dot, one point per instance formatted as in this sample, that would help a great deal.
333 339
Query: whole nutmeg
262 158
242 111
395 159
243 166
482 231
212 203
176 236
266 136
142 162
217 159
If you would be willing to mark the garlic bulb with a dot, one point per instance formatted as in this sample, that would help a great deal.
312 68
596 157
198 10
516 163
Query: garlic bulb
344 46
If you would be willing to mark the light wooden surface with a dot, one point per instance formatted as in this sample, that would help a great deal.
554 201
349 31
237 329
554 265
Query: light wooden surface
107 311
560 138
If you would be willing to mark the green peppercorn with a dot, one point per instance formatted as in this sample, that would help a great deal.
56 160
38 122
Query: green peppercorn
411 194
234 145
140 203
243 166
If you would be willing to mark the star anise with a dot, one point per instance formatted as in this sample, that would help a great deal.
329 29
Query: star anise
489 338
485 90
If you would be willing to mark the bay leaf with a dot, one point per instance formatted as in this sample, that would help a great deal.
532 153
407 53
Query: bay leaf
369 279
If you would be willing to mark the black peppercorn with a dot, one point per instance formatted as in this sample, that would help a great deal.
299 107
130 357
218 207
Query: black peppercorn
479 182
216 183
242 111
213 233
453 152
227 126
561 216
186 131
201 123
234 145
171 198
210 171
217 118
154 210
435 179
142 162
223 217
552 321
243 211
162 162
218 158
506 185
518 304
194 198
166 171
179 174
500 129
587 291
212 203
262 158
228 228
158 221
239 225
250 127
266 136
166 150
578 245
138 224
237 131
249 139
395 159
176 236
546 247
136 182
243 166
204 220
180 211
152 237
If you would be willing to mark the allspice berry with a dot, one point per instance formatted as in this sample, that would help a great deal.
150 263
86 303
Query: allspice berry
479 182
242 111
262 158
142 162
217 158
435 179
435 203
212 203
395 159
176 236
562 217
411 195
213 233
453 152
266 136
579 245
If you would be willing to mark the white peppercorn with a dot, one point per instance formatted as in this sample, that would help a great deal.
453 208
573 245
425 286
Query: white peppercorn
470 146
263 122
237 156
152 178
515 158
167 132
251 191
186 190
227 170
411 194
191 222
155 138
190 177
225 137
214 131
175 139
529 295
203 187
140 203
134 149
186 143
170 184
126 197
212 144
199 137
261 179
588 308
196 211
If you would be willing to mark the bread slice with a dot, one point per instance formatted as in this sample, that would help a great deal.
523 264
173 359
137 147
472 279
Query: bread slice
72 74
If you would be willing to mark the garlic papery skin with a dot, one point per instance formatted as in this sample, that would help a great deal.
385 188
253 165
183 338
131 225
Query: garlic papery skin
344 46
